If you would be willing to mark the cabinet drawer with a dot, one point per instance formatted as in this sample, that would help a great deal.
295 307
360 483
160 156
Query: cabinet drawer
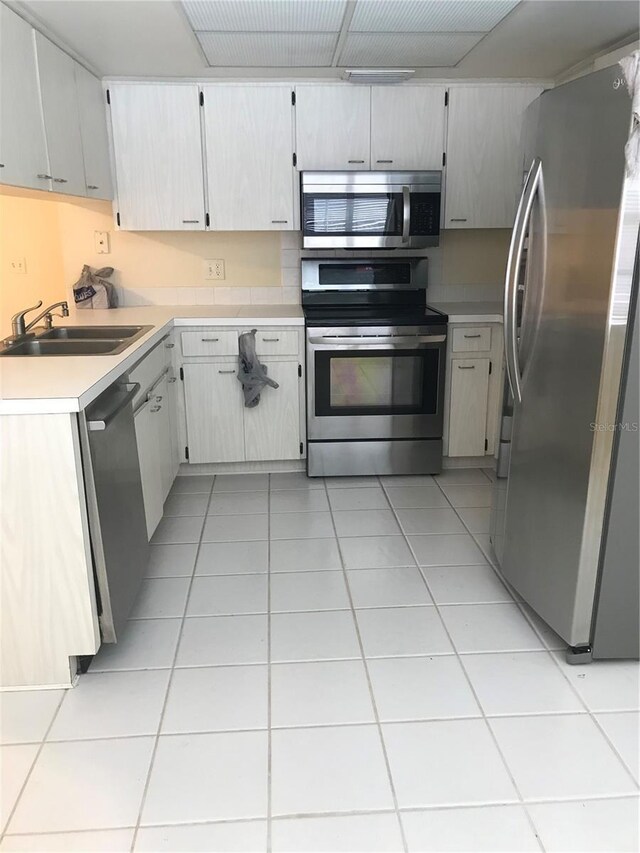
475 339
277 343
210 343
148 370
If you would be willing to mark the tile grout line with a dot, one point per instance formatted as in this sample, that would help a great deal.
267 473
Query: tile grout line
33 763
156 743
368 677
269 720
468 679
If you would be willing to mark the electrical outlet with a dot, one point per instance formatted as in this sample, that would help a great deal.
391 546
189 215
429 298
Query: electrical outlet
18 265
214 269
102 242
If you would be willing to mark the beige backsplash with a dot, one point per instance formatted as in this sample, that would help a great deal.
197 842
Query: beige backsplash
167 268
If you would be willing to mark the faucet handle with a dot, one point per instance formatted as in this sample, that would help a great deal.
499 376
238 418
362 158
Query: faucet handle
25 311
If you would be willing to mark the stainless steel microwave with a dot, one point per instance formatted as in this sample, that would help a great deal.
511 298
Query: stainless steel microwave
371 210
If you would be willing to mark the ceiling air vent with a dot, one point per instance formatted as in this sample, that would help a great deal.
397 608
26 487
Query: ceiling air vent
377 75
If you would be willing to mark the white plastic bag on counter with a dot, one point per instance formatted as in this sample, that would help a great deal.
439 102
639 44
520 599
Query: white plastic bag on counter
93 291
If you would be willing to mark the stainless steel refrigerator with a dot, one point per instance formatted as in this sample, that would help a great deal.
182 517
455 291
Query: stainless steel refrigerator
564 523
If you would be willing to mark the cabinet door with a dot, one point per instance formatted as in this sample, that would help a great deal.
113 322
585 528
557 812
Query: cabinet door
333 127
56 72
158 157
149 456
249 150
159 405
484 171
23 150
272 428
407 127
214 410
93 130
468 406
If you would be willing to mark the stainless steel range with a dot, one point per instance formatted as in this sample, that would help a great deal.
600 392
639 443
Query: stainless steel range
375 368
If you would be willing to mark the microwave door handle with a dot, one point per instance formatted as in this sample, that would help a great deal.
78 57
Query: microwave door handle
406 214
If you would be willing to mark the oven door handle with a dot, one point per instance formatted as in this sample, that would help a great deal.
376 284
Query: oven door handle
331 341
406 214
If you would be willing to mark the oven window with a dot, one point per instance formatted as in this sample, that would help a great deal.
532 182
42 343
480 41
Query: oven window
379 382
352 214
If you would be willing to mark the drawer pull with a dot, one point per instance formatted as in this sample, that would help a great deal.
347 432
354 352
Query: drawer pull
466 366
155 409
458 220
473 336
92 187
44 177
355 161
171 379
279 221
209 340
190 221
169 346
227 371
384 161
270 340
159 398
60 181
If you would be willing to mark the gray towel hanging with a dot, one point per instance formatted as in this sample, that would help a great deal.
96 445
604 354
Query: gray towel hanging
251 373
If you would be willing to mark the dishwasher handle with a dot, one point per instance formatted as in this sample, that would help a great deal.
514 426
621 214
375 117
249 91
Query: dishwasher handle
131 389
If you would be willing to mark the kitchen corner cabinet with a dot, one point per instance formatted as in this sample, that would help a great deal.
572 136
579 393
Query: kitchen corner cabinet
484 171
94 134
158 156
23 149
473 390
249 155
333 127
407 127
61 117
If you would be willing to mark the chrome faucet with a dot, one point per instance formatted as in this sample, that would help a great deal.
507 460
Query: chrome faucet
20 330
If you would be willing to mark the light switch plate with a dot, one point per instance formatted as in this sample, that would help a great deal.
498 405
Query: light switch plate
102 242
214 269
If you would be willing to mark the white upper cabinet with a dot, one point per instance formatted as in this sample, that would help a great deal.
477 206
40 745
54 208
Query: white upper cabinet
333 127
484 170
407 127
249 153
56 71
23 150
93 130
158 156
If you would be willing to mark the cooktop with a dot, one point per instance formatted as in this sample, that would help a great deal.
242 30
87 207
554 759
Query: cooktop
372 315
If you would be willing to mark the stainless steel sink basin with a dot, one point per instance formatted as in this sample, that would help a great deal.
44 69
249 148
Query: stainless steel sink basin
92 332
78 340
38 347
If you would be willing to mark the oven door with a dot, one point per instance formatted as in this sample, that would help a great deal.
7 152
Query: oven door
375 382
393 214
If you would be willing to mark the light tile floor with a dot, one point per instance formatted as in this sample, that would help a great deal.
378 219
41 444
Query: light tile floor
326 666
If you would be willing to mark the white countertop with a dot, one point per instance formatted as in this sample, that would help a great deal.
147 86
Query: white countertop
470 312
54 384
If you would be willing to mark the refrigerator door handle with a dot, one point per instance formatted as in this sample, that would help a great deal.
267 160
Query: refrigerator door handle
516 246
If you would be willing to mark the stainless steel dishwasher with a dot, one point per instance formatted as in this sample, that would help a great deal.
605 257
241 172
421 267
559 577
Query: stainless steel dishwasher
115 505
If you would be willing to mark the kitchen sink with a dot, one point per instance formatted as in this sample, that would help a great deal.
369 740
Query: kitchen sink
78 340
93 332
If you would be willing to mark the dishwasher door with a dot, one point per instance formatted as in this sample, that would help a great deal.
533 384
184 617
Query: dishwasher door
116 508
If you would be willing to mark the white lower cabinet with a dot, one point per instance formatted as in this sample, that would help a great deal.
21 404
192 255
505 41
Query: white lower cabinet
272 428
468 406
150 472
215 413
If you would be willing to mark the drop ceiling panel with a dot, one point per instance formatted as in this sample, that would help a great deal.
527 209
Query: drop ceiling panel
265 16
417 50
262 50
413 16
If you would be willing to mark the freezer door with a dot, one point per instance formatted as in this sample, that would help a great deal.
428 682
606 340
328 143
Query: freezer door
551 506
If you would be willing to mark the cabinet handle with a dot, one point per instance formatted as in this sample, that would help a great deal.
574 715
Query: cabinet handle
155 409
458 220
92 187
60 181
44 177
227 371
169 346
384 161
279 221
171 379
473 336
270 340
466 366
159 398
355 161
209 340
1 165
190 221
